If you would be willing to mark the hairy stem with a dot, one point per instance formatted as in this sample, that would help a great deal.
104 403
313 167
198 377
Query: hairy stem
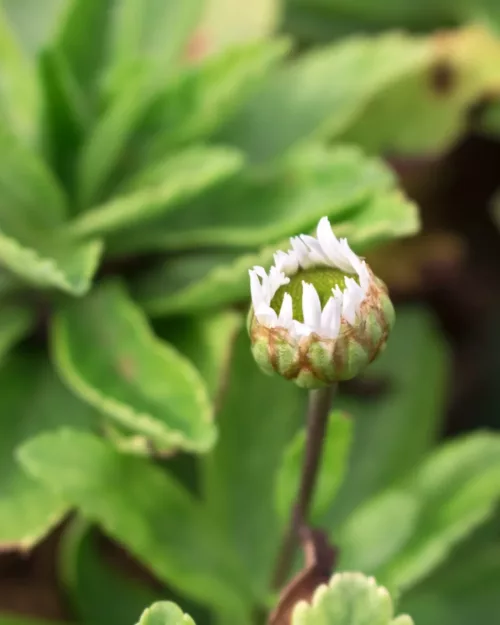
317 419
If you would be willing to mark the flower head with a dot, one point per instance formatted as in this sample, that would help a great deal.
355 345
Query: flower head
319 315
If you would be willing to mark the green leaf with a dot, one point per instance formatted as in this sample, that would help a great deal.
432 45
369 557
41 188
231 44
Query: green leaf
197 101
207 340
51 262
108 142
389 13
485 12
386 217
393 431
32 209
464 589
147 123
145 509
337 82
33 21
99 594
315 24
196 283
458 486
316 21
376 531
227 23
28 192
383 218
65 117
15 323
107 353
364 90
287 199
349 599
258 418
206 280
334 459
459 70
19 89
85 62
9 284
129 37
160 190
129 442
151 34
32 400
165 613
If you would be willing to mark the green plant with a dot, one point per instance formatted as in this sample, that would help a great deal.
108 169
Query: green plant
136 190
348 599
327 19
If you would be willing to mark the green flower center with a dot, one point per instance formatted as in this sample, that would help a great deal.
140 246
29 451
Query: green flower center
324 279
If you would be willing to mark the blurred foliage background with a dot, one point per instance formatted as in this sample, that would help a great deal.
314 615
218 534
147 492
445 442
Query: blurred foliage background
265 140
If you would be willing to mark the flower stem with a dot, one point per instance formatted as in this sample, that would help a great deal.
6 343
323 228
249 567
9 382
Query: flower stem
320 401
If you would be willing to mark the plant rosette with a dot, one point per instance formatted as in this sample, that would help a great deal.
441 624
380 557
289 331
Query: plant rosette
319 315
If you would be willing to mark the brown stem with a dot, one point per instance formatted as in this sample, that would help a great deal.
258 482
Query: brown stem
320 402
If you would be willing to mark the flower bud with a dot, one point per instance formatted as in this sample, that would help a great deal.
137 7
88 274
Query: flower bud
319 315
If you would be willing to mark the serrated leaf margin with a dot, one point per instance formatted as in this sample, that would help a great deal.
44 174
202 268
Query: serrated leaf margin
122 413
323 592
54 275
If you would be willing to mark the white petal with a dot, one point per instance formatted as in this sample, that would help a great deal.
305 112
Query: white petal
279 258
364 276
288 263
353 294
330 318
352 287
310 241
255 289
302 252
342 262
331 246
275 280
311 306
299 248
348 311
260 271
300 329
352 258
266 316
285 317
316 253
306 252
360 294
337 292
278 276
326 237
328 312
267 291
